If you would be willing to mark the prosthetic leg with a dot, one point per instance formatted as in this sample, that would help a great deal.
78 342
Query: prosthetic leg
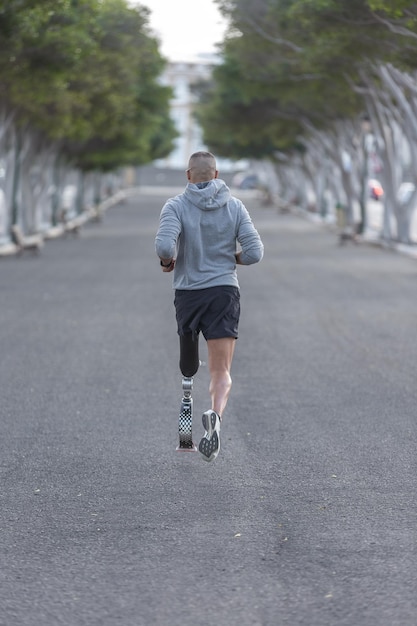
185 420
189 363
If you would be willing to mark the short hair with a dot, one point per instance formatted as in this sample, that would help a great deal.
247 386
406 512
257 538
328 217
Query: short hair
204 164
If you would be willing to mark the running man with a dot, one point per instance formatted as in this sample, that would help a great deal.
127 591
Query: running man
199 234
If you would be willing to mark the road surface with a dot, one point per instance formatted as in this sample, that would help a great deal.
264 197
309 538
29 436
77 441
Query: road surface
307 517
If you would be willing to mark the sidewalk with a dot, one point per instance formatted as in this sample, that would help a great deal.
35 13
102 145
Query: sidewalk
370 237
60 230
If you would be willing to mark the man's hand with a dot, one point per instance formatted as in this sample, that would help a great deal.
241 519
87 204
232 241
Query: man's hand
167 265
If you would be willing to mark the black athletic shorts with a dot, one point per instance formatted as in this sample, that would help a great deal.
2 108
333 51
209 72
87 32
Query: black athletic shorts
214 311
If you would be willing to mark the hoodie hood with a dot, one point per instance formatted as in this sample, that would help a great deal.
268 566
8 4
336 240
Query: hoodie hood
208 196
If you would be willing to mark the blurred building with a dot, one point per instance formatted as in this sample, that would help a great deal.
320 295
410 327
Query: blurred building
181 76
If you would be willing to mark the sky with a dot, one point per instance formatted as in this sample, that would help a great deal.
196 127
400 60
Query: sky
185 28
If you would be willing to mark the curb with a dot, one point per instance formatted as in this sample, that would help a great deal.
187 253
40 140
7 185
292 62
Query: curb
90 214
370 238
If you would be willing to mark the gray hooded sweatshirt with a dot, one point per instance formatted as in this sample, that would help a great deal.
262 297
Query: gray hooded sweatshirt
200 228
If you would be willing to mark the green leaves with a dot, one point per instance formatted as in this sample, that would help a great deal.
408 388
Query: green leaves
84 73
290 65
393 8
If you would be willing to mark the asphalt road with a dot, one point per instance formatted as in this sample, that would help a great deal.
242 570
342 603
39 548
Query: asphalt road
307 517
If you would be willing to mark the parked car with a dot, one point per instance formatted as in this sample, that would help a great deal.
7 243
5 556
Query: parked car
404 192
375 189
245 180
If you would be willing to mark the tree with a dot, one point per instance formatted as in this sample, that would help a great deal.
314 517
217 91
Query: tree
130 121
307 63
80 78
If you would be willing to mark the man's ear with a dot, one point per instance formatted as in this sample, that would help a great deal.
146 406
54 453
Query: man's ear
216 175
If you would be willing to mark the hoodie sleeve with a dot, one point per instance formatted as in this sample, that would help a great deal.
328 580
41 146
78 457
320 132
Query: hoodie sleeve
249 239
168 232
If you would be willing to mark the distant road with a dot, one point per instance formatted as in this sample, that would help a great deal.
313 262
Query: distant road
149 175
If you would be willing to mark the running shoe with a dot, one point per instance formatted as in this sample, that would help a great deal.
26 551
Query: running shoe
209 446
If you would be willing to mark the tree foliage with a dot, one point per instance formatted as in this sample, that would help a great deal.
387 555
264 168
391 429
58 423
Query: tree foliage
85 74
290 65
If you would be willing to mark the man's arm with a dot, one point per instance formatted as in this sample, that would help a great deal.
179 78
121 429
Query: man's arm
167 236
250 241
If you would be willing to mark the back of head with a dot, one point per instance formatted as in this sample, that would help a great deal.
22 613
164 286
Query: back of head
201 167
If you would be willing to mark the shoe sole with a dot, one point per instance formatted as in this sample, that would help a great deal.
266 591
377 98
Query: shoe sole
209 446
